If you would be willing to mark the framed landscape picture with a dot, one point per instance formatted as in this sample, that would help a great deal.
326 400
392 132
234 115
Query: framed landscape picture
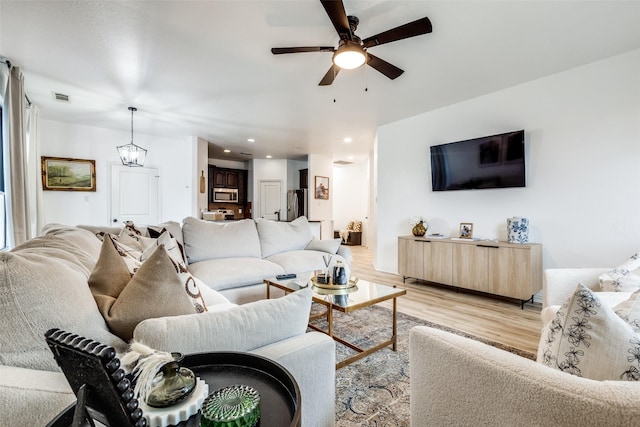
322 188
61 174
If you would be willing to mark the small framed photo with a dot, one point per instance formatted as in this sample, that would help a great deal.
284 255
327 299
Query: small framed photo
322 188
64 174
466 230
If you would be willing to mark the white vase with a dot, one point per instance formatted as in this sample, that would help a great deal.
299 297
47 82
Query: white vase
517 230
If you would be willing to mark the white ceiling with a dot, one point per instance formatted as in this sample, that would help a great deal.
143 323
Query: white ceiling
204 68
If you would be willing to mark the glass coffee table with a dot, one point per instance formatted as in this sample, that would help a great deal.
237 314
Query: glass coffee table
361 295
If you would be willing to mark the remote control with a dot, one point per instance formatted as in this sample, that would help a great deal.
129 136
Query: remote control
285 276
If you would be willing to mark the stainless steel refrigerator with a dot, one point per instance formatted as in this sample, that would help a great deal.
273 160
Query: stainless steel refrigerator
296 204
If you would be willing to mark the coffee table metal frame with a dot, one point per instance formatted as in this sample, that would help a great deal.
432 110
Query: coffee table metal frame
362 299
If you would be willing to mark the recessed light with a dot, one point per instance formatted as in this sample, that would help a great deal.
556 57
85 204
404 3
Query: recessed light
350 158
227 151
251 140
348 139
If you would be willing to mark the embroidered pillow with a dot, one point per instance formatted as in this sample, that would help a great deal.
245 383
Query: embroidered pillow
629 311
624 278
590 340
160 287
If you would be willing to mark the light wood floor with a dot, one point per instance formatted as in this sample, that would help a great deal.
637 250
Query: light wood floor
490 317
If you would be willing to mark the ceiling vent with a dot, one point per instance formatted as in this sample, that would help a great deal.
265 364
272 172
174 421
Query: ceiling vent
342 163
245 154
61 97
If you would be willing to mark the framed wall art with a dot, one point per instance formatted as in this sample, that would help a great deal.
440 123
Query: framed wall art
466 230
322 188
63 174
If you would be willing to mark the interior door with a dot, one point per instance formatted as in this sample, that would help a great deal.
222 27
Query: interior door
271 200
134 195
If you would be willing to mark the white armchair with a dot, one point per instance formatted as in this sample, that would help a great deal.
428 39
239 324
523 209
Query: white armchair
456 381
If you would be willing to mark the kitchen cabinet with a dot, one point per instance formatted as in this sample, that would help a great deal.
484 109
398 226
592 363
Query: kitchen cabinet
225 178
228 178
499 268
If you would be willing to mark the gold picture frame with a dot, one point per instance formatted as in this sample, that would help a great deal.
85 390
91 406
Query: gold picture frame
65 174
466 230
321 188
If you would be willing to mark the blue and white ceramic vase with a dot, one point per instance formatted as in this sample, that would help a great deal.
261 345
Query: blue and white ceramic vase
517 230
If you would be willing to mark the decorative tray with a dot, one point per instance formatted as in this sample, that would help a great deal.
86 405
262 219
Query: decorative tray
352 282
334 290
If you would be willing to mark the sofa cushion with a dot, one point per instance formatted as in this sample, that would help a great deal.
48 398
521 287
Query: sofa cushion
330 246
587 339
210 240
40 289
304 260
157 289
624 278
220 274
75 236
277 237
243 328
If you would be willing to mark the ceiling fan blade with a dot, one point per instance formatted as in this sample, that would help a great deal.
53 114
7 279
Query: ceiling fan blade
281 50
338 16
384 67
412 29
330 76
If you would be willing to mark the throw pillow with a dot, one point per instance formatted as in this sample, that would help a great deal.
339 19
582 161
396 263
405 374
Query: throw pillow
170 244
590 340
277 236
134 241
329 245
160 287
624 278
629 311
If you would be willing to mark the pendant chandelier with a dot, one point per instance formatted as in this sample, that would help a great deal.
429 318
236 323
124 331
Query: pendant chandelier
131 154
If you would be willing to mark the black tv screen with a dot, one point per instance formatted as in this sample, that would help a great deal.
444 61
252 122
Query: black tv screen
495 161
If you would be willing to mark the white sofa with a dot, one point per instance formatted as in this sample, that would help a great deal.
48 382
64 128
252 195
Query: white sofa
456 381
234 257
43 285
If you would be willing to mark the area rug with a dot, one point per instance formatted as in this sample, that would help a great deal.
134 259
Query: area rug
374 391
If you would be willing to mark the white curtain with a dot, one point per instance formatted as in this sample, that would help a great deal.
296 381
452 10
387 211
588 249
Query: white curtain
34 176
15 160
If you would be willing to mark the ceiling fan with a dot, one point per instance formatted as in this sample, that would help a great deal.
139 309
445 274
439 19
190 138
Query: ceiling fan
352 51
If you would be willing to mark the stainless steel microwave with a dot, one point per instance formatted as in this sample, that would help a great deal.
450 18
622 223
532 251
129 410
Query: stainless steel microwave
225 195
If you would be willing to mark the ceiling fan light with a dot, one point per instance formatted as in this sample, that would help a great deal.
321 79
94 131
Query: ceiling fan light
349 56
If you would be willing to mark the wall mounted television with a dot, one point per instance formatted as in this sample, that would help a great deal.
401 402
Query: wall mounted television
495 161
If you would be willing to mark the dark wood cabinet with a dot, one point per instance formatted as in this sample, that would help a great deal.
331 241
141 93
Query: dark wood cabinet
304 178
225 178
231 178
228 178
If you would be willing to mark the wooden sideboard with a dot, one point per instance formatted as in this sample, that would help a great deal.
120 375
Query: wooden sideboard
499 268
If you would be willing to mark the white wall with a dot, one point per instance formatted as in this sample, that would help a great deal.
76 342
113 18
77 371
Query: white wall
173 157
582 130
320 209
202 167
293 173
351 195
